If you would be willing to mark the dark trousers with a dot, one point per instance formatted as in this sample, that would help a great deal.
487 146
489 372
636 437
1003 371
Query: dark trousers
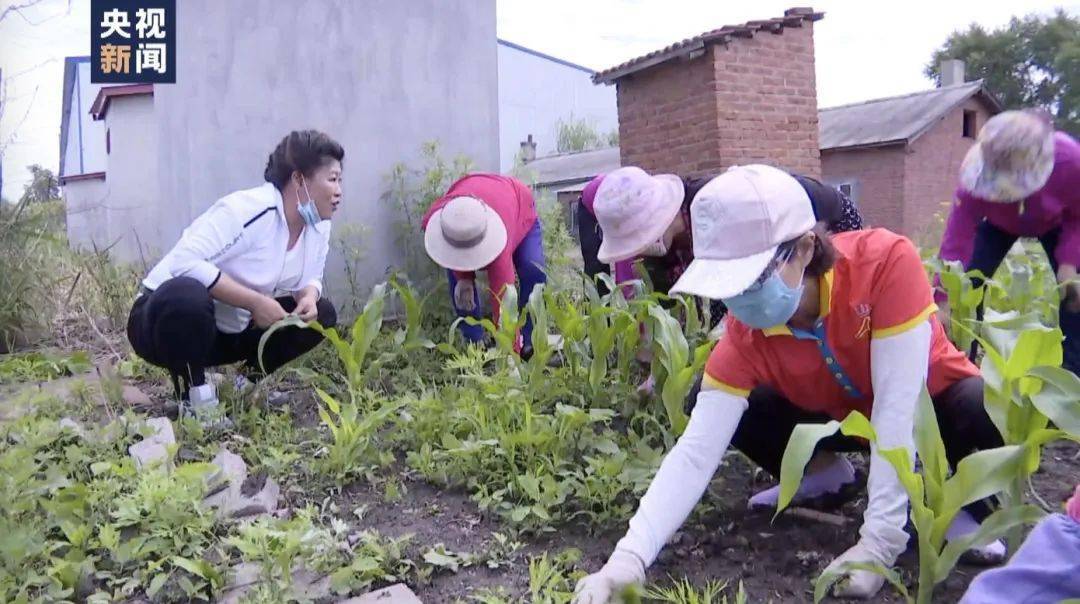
769 420
991 246
174 327
589 236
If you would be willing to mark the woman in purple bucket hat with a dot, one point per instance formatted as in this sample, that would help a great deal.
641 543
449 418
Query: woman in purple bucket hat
1021 179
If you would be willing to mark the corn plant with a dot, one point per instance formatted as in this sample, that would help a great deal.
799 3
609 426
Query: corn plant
1025 389
674 365
353 354
570 323
354 432
964 299
683 592
410 337
511 320
542 348
936 497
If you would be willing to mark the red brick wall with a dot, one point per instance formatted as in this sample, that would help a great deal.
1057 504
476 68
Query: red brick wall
877 179
754 100
931 170
767 97
668 118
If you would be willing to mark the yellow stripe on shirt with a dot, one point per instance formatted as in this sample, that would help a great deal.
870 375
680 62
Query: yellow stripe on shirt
716 384
915 321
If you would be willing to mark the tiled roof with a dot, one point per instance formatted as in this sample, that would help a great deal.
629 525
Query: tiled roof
793 17
898 119
573 168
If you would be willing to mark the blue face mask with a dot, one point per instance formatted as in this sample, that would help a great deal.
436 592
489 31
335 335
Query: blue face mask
771 304
308 211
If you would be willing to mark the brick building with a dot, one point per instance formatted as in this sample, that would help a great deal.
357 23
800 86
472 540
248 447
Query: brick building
734 95
899 157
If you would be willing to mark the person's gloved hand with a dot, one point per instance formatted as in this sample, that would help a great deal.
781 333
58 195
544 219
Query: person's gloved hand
622 569
861 584
465 294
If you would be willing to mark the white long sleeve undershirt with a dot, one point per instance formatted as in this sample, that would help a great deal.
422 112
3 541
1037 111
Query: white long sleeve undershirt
899 367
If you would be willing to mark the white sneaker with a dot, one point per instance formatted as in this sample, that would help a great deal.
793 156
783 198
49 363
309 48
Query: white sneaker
242 385
203 405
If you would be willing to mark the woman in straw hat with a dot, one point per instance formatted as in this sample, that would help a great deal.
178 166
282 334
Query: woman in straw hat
486 222
819 325
1021 179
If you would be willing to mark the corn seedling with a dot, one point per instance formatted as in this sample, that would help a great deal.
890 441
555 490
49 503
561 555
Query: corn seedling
353 354
935 496
675 367
410 338
684 592
1026 389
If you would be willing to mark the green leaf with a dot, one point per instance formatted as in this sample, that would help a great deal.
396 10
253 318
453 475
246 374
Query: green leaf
800 448
1059 397
993 527
288 321
156 584
931 449
825 582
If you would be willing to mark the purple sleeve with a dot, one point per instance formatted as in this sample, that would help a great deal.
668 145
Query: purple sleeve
624 271
1068 248
959 239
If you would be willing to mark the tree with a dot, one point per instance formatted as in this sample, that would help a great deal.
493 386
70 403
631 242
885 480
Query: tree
42 186
579 135
1031 62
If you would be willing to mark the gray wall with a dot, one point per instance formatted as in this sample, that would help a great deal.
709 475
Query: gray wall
380 76
536 92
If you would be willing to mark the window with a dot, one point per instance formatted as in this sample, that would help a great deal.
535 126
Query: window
845 188
969 124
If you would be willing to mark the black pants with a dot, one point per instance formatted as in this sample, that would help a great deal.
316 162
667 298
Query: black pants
589 236
769 420
991 246
174 327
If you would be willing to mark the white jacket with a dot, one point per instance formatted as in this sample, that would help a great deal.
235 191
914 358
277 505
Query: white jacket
243 235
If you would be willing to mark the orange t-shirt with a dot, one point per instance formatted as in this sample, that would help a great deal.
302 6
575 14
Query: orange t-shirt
877 288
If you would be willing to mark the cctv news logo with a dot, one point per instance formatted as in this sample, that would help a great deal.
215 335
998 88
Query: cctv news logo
133 41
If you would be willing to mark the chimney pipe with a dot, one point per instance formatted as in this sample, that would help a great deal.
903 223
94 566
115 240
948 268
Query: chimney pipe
528 150
952 72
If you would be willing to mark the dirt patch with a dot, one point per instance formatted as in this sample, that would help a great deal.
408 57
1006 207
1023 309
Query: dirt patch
776 561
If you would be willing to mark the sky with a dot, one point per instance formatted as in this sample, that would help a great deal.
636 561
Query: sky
864 49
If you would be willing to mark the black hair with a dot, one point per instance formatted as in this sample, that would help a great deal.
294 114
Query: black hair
304 151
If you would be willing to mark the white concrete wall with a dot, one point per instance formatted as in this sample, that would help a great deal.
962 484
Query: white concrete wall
379 76
120 212
86 220
133 209
536 92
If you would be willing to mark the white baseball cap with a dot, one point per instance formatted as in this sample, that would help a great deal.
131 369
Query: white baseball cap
465 235
634 209
739 219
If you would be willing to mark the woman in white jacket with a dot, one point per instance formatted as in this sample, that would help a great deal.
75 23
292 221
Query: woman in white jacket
252 258
819 325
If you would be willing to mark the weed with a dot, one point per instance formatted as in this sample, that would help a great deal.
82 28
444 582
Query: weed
40 366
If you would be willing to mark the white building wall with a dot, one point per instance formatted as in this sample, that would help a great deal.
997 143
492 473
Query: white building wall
131 209
535 92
